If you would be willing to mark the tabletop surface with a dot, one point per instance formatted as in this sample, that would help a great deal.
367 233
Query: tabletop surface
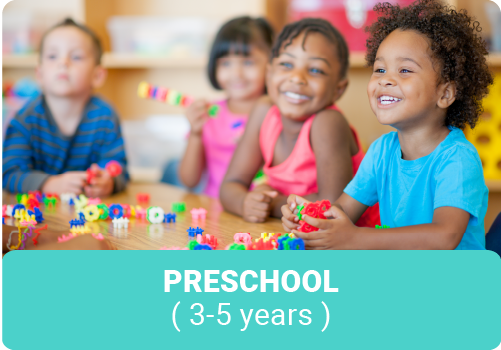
142 235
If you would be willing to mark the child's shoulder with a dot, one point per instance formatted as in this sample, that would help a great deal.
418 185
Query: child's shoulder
98 107
456 148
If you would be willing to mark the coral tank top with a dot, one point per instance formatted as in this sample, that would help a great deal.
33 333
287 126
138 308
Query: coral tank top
298 173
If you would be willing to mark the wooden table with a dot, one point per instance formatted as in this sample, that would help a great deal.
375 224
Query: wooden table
143 235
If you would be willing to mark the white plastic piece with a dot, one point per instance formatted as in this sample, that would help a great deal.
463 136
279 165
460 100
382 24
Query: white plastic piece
155 215
120 223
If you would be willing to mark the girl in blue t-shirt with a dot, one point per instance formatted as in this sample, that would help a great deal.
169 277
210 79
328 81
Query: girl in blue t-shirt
429 77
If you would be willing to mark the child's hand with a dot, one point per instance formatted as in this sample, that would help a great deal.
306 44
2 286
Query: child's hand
69 182
257 205
336 233
101 185
197 116
289 212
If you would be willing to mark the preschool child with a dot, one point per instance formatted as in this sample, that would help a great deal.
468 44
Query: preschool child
296 133
429 78
237 65
57 136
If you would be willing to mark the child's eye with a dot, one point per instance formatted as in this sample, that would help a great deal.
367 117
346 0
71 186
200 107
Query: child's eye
380 70
316 71
405 71
224 63
76 58
51 56
248 62
286 64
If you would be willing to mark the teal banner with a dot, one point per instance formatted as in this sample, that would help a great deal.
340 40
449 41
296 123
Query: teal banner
243 300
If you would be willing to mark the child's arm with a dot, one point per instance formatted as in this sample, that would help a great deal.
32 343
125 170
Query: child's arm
112 149
193 162
445 232
332 141
18 173
247 159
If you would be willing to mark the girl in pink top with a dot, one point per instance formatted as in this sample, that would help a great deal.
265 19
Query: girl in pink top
303 142
237 65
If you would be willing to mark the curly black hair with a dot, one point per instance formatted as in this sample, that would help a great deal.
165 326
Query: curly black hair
455 44
318 25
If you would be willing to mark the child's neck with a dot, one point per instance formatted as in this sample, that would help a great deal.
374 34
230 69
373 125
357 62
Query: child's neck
67 111
420 142
241 106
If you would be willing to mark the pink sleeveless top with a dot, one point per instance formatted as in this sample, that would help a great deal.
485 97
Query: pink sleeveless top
298 173
220 137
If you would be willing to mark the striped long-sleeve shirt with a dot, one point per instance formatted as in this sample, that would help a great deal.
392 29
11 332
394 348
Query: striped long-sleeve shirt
34 147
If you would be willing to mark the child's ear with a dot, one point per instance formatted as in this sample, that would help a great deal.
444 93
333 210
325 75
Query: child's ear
447 95
340 89
99 76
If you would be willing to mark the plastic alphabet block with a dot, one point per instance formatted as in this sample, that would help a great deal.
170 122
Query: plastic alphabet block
94 201
126 209
236 246
103 211
191 232
202 247
116 211
120 223
314 210
155 215
198 213
192 244
38 215
178 207
170 217
299 211
242 238
32 203
170 96
143 197
91 213
113 168
207 239
140 213
49 201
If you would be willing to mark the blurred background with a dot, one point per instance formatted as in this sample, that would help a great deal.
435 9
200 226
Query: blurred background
165 42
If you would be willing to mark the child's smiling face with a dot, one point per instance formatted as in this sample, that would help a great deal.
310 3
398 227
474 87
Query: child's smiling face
68 63
405 86
304 79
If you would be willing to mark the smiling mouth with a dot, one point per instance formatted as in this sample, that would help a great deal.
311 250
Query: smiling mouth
388 100
295 96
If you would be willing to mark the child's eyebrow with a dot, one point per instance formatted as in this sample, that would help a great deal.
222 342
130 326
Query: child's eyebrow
320 58
409 59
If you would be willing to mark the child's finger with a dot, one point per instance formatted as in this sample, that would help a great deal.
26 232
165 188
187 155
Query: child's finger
321 224
288 225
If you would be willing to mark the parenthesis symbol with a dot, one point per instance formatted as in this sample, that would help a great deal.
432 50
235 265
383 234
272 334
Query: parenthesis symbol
327 316
174 316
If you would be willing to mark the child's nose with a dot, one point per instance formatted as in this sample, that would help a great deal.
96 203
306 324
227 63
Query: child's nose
298 77
387 81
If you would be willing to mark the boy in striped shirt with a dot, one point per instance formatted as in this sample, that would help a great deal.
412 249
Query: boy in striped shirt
57 136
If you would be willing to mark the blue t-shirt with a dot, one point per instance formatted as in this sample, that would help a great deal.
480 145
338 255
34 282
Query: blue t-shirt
408 191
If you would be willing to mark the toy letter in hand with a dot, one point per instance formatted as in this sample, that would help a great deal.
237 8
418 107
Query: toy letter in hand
314 210
169 96
112 167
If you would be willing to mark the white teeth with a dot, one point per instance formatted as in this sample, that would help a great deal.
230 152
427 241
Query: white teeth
386 100
296 96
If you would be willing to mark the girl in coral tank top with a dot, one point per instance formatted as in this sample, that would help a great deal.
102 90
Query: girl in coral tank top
303 142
